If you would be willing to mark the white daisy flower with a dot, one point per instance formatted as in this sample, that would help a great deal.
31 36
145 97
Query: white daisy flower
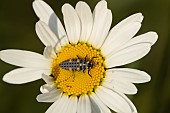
82 60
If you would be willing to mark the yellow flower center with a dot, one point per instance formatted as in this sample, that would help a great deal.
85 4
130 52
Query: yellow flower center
83 80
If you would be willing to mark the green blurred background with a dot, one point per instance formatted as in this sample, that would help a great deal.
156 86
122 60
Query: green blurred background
17 23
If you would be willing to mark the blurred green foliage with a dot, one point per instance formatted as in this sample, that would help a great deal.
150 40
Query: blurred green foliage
17 21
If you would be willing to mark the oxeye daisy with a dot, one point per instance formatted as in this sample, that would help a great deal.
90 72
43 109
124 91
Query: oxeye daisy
79 64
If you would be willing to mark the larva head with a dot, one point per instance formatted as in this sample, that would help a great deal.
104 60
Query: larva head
90 65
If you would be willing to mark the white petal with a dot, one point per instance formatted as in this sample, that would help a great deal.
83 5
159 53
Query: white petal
48 79
128 55
130 75
59 105
149 37
117 37
102 22
43 11
138 17
72 105
57 47
45 34
121 33
86 19
46 88
23 75
49 52
131 105
24 59
72 23
51 96
84 104
47 15
113 100
103 107
94 107
120 86
101 4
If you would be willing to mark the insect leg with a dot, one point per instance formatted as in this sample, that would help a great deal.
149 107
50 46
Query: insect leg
83 70
78 57
89 73
73 76
92 58
85 57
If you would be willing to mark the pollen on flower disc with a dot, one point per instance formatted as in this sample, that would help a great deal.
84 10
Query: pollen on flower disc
78 82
